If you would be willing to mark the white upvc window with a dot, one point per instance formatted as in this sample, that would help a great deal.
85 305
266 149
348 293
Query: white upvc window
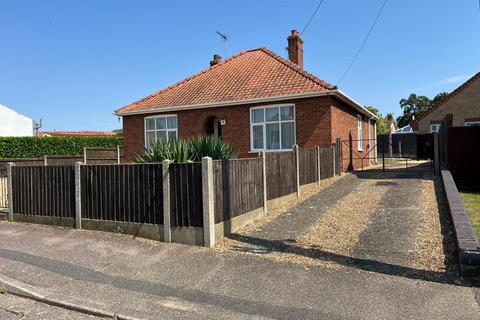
272 128
359 133
434 127
472 123
160 127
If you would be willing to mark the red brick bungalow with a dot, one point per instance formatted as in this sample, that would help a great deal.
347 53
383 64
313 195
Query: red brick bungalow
255 100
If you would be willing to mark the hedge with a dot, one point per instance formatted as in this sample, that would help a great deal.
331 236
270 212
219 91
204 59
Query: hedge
32 147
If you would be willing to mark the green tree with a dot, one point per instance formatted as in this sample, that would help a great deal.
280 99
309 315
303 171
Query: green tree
381 125
414 105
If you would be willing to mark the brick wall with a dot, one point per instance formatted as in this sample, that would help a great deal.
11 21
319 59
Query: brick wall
314 120
344 126
464 105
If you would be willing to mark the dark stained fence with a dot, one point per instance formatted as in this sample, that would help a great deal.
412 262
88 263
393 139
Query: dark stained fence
425 146
326 163
308 165
186 206
464 150
44 191
238 187
281 178
3 187
126 193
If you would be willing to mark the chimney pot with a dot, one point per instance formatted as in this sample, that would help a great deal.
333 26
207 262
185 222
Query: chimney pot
295 48
216 60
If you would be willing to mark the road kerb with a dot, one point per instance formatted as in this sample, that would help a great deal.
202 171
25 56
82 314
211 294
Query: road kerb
24 290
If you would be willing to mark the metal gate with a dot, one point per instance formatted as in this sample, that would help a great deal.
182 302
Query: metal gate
389 152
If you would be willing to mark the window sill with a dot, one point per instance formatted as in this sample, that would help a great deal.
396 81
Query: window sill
258 151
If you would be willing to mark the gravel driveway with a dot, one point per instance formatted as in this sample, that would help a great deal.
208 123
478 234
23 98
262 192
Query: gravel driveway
392 222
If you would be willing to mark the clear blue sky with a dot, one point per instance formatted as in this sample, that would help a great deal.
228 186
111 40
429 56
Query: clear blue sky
72 63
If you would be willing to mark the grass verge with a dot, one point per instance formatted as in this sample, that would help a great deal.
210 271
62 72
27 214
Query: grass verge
471 200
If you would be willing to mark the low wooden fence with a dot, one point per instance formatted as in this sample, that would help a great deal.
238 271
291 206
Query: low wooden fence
238 187
125 193
44 191
173 201
186 194
281 174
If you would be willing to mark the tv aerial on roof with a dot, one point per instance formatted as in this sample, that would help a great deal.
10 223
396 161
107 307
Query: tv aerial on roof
224 37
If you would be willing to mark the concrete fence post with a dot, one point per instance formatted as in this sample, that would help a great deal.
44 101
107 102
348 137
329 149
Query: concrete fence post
319 159
118 154
264 173
436 154
84 155
333 155
167 229
78 196
45 161
10 191
297 168
207 193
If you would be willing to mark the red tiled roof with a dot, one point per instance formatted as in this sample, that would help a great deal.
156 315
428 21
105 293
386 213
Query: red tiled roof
452 94
76 133
251 74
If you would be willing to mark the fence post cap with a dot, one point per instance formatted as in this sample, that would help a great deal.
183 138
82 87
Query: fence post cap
11 163
206 158
78 163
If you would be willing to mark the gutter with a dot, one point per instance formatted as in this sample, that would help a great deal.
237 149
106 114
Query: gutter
335 92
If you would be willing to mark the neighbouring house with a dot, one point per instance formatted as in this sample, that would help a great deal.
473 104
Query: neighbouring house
463 103
76 134
257 101
406 129
14 124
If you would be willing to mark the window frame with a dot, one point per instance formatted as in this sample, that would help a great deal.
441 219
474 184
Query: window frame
435 124
167 130
264 123
359 132
471 123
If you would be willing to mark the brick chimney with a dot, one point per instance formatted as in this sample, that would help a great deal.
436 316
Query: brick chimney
216 60
295 48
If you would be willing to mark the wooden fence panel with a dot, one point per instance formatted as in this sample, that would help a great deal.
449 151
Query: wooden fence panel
101 155
281 177
186 206
308 166
238 187
326 163
126 193
3 188
44 191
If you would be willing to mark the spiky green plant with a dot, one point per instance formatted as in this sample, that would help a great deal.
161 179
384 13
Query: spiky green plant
184 151
208 146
